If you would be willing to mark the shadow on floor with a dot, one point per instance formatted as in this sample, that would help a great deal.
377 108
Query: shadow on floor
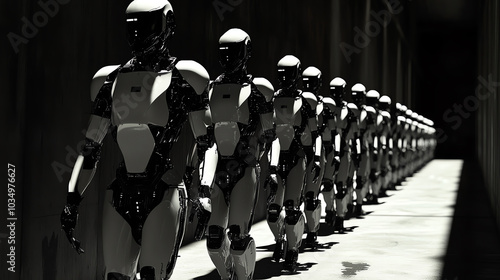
474 242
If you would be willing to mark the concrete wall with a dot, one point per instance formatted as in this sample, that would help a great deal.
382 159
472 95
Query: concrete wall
487 102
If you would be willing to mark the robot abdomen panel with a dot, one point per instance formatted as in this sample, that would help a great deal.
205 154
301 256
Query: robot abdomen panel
229 103
227 136
139 97
136 145
285 134
287 109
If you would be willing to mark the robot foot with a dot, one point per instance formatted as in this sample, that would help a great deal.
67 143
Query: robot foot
382 193
358 210
330 217
392 187
339 225
278 250
371 199
290 264
350 211
310 241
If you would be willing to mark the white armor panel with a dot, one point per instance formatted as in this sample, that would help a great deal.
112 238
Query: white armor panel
228 106
139 99
287 115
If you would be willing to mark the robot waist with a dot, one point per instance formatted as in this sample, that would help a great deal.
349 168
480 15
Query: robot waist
145 181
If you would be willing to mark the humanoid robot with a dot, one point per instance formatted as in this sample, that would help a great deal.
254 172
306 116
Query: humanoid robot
295 117
311 80
242 119
148 104
395 143
366 126
347 128
385 148
372 99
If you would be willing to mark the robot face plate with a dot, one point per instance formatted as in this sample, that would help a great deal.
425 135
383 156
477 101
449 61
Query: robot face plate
288 75
311 84
233 55
144 26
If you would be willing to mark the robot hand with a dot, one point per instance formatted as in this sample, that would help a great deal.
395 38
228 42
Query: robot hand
69 218
272 183
315 171
203 209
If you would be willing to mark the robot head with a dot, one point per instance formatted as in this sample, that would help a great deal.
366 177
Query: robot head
337 90
150 23
385 103
372 97
289 71
358 93
234 50
311 79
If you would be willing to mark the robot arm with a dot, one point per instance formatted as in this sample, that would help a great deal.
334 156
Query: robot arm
266 111
87 161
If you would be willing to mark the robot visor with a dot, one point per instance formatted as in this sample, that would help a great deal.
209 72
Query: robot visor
288 75
141 26
232 54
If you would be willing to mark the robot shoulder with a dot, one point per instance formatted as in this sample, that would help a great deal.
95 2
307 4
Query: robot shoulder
265 87
99 79
310 98
386 115
195 74
354 109
329 102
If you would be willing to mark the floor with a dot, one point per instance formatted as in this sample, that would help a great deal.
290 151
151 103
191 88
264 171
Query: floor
437 225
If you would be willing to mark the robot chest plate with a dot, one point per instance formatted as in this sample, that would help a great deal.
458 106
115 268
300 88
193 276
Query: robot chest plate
138 100
229 102
287 116
139 97
228 107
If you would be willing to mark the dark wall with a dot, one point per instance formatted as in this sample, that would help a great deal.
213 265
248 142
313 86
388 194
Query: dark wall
46 92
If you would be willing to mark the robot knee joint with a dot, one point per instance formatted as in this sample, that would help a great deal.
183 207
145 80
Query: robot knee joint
360 182
215 237
341 190
293 217
311 203
273 212
327 185
148 273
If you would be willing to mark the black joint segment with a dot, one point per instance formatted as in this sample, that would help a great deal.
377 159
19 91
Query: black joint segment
234 231
327 185
360 182
311 203
289 205
73 198
292 217
91 154
273 169
240 244
341 190
215 237
273 212
148 273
